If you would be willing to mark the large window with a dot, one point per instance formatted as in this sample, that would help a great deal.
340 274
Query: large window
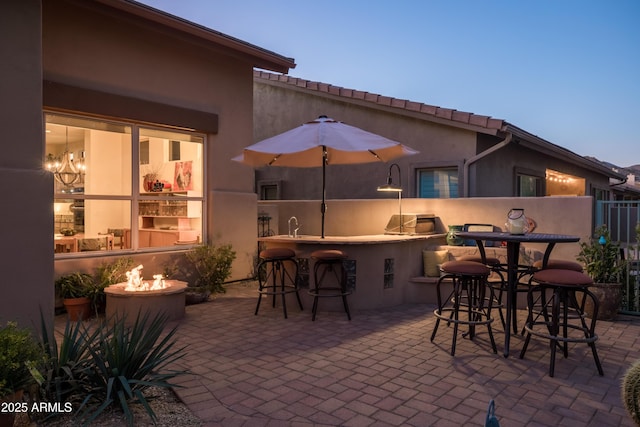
122 186
440 183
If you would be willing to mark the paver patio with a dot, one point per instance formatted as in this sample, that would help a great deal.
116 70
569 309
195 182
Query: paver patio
380 369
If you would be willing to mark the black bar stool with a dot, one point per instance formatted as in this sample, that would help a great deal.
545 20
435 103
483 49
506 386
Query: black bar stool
559 264
495 280
469 281
560 311
329 260
278 275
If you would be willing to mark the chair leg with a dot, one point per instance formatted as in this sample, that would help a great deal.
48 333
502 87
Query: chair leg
273 278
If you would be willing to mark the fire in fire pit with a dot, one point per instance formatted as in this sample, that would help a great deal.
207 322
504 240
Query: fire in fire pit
136 284
136 296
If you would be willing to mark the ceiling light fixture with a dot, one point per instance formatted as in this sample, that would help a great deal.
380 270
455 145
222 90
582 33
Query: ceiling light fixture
65 170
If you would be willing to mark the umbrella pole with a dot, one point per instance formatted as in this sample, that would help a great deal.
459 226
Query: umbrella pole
323 207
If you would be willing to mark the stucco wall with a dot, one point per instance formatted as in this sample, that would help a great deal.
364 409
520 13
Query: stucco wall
495 174
562 215
27 257
89 47
279 107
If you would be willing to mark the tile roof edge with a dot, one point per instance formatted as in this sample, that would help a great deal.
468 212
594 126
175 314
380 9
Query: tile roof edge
462 117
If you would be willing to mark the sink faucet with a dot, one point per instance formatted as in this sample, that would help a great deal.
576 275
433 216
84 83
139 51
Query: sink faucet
295 231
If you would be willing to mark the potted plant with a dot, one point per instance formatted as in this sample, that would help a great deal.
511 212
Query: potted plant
20 355
77 291
151 178
602 261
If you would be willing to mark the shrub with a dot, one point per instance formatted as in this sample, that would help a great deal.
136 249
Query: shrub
20 355
114 272
108 274
601 257
212 265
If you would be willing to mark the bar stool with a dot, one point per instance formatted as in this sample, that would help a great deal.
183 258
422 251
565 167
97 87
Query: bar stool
496 280
554 319
560 264
469 281
275 276
329 260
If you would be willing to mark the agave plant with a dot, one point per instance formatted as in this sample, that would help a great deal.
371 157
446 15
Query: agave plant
64 372
127 360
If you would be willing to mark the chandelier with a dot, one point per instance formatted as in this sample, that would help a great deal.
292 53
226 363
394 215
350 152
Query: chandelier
66 170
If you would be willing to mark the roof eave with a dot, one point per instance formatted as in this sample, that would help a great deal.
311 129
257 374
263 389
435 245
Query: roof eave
545 146
259 57
444 116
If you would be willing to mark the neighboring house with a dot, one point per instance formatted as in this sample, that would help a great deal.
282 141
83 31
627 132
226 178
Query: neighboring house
461 154
127 92
629 189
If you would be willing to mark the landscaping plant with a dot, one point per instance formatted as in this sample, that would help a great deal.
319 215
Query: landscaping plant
601 257
66 364
20 356
631 391
108 274
75 285
212 265
108 365
125 361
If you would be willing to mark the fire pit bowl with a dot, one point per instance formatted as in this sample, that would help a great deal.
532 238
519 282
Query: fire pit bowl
169 300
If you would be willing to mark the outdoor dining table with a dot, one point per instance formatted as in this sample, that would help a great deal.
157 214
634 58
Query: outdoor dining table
513 252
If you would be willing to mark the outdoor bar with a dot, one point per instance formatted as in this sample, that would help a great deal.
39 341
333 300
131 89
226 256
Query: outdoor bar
388 269
379 268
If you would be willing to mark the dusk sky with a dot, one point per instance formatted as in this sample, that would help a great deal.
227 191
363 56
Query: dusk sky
567 71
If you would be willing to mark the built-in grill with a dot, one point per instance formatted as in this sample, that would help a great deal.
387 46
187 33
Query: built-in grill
411 224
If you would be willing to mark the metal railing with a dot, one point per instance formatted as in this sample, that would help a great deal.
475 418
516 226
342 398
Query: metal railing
622 218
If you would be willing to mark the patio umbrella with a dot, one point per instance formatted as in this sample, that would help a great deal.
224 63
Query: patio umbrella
322 142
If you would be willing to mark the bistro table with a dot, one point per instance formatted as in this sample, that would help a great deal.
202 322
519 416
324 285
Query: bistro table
513 252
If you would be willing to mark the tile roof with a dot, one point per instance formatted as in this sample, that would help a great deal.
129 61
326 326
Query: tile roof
479 123
461 117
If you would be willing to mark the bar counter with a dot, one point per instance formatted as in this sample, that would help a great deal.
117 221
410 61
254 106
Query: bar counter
379 266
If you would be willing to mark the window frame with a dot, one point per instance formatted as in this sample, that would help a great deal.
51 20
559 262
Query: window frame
455 169
134 196
540 181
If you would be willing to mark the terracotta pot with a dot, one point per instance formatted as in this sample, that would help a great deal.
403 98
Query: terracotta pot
609 297
78 308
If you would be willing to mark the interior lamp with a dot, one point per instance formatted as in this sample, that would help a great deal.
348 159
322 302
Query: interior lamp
389 187
66 170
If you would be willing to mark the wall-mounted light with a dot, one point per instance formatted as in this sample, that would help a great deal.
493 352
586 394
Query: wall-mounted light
391 188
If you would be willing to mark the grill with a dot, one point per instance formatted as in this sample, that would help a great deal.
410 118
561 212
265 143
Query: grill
411 224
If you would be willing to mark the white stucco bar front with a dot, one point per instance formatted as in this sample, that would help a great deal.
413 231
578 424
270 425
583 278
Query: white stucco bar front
383 265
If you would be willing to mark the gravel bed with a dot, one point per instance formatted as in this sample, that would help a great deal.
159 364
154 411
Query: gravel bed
171 412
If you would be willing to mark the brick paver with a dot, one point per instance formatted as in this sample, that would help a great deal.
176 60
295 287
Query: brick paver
380 369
